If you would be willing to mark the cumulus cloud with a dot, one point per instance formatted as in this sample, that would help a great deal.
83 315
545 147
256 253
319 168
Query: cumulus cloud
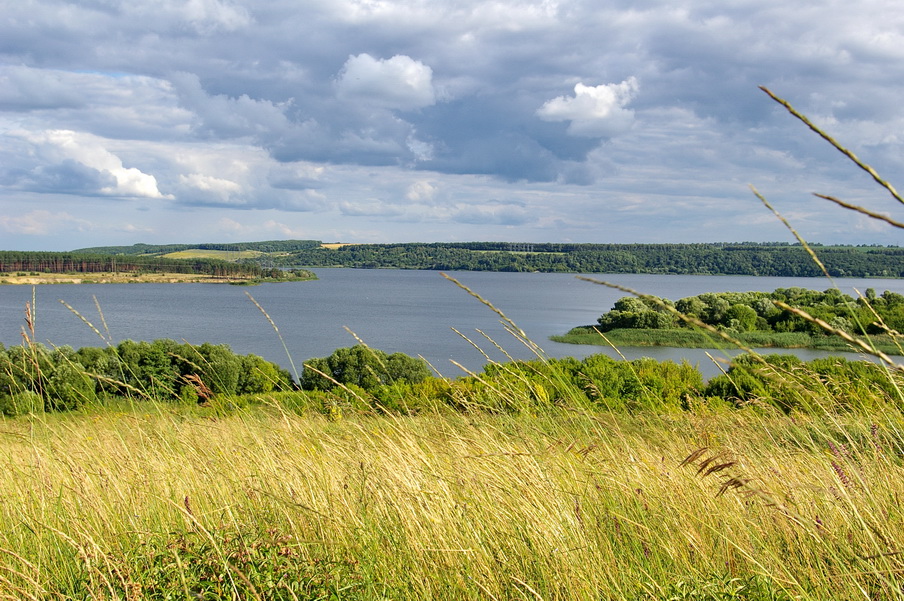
77 163
411 111
223 189
223 117
594 111
399 82
421 192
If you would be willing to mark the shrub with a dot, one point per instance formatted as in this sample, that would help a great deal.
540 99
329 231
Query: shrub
21 403
364 367
69 387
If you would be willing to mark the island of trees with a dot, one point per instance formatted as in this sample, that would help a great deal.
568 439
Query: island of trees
761 319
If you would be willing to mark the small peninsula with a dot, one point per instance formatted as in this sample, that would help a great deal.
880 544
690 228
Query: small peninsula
756 319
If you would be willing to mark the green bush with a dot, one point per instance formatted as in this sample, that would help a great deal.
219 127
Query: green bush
21 403
69 387
162 370
362 366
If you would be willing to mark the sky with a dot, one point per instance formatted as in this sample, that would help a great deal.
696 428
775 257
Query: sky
182 121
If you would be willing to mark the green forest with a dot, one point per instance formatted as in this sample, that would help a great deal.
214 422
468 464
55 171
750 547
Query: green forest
705 259
757 259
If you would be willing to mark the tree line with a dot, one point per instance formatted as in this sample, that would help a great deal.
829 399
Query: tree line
267 246
78 262
743 258
786 260
34 378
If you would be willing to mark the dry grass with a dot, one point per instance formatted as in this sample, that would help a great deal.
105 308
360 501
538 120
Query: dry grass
568 506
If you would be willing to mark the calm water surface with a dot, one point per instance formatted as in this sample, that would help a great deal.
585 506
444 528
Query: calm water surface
393 310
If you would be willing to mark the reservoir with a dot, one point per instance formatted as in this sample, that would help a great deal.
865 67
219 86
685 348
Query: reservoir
413 312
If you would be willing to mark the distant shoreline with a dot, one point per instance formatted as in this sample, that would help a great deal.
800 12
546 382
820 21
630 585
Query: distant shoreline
33 279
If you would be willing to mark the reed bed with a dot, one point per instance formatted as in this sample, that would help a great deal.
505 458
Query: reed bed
710 504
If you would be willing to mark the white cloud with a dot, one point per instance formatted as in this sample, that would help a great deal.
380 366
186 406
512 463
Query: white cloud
58 146
594 111
222 188
42 223
421 191
399 82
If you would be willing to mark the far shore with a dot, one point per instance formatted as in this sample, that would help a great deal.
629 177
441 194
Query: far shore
115 278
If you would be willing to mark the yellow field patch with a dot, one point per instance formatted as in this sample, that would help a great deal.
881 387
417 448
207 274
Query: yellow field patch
226 255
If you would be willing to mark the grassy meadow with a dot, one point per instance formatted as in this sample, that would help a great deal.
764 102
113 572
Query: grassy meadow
278 501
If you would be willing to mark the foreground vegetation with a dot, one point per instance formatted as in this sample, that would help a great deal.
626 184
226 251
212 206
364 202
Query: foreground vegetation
505 494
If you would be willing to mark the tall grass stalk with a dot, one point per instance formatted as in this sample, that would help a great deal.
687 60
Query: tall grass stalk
278 335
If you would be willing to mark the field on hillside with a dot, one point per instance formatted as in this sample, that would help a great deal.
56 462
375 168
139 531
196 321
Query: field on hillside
225 255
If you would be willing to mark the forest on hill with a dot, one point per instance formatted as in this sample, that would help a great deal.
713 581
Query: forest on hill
745 258
267 246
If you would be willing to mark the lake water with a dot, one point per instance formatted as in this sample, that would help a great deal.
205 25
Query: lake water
394 310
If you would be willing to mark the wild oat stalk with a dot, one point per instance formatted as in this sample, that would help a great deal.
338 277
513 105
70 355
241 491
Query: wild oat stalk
841 333
882 182
278 335
860 209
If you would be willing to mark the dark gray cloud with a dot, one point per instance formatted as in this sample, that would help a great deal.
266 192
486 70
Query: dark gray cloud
343 118
67 177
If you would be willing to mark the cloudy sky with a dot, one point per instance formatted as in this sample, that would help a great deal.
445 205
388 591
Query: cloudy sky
164 121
